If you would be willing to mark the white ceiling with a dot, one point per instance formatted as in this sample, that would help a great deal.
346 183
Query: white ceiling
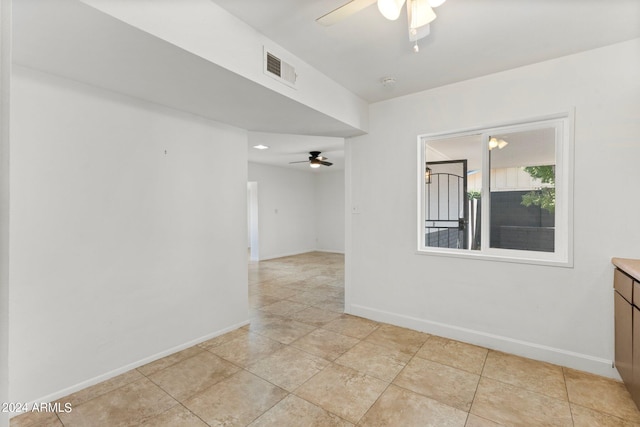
74 40
469 38
294 148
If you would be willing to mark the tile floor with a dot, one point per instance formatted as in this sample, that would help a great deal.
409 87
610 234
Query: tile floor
302 362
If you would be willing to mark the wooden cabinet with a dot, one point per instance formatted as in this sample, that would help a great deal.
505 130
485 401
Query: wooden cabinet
626 284
624 337
634 387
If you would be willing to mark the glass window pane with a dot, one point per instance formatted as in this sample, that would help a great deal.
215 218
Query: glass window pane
452 191
522 190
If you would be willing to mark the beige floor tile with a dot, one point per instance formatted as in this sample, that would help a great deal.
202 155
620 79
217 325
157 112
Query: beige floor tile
342 391
225 338
341 292
405 340
313 270
288 368
36 419
288 276
452 353
308 298
379 362
314 316
400 407
302 285
178 416
264 274
331 304
247 349
236 401
284 308
322 279
352 326
274 291
326 344
257 300
336 275
476 421
585 417
263 320
125 406
172 359
99 389
293 411
254 288
329 291
192 375
529 374
280 329
451 386
602 394
514 406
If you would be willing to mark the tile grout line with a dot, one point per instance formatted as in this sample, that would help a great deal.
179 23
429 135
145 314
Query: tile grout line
484 364
566 390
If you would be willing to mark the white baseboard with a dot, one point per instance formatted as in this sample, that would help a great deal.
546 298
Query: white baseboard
330 251
268 257
282 255
108 375
557 356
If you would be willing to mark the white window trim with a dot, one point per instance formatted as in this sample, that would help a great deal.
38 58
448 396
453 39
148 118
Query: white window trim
563 255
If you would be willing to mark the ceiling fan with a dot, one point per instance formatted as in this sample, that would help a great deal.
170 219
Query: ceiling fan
315 160
419 14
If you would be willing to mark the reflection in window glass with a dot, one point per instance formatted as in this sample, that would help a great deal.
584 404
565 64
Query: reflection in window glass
522 190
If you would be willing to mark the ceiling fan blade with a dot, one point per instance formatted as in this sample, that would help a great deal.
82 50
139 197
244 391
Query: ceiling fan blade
344 11
303 161
325 163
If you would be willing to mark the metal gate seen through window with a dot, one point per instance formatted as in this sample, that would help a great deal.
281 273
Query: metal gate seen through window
446 210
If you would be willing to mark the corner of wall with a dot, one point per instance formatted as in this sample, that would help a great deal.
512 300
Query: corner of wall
5 81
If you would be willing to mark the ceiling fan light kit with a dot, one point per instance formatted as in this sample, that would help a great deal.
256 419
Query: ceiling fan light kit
419 14
390 9
315 160
497 142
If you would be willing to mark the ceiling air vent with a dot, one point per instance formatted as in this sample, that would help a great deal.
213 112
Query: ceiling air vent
279 70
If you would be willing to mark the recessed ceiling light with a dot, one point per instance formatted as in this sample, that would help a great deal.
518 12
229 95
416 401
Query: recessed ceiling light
261 147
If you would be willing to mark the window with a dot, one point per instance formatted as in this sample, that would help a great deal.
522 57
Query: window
501 192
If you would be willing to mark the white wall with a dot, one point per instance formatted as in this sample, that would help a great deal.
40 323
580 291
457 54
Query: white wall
286 210
298 211
128 233
330 211
563 315
5 84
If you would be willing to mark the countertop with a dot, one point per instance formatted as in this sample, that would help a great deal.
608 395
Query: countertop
629 266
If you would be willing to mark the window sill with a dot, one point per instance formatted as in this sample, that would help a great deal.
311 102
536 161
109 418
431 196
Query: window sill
549 262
